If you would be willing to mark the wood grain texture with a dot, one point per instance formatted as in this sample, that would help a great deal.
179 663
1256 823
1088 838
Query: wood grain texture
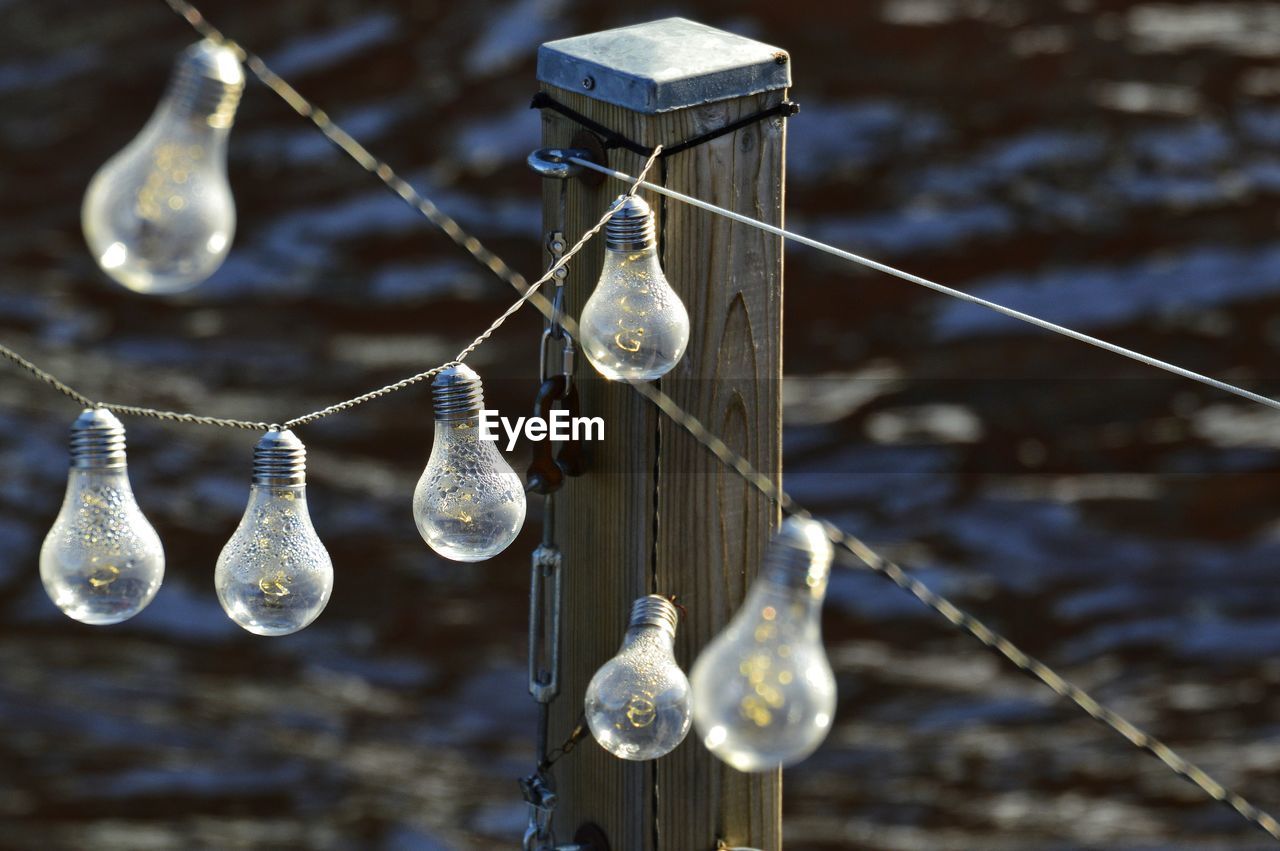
657 513
712 528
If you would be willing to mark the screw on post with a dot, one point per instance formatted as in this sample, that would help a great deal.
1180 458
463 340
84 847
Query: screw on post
558 162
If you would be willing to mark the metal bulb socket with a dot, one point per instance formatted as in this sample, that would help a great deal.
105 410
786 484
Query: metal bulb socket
207 82
97 441
457 393
630 227
280 460
799 556
654 611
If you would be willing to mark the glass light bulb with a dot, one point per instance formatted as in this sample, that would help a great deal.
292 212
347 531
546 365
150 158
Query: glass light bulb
764 694
637 704
274 576
102 562
158 216
469 504
633 326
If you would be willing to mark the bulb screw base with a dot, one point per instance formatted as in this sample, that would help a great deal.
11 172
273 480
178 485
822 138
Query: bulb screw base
207 82
799 556
97 441
457 393
631 226
280 460
654 611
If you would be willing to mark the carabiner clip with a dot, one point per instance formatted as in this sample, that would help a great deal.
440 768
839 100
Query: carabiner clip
544 475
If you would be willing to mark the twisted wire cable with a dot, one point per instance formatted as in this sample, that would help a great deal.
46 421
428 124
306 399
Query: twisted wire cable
529 293
85 401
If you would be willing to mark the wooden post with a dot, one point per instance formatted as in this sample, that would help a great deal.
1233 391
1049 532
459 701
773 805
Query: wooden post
657 513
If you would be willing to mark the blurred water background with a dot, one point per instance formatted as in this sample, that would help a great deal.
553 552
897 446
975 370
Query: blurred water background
1111 165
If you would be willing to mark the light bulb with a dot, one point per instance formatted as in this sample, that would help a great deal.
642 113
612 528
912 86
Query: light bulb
274 576
469 504
637 704
764 694
633 326
158 217
101 563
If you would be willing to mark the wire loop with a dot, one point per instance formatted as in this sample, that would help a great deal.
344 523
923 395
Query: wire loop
614 139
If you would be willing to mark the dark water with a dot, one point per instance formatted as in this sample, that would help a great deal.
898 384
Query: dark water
1111 165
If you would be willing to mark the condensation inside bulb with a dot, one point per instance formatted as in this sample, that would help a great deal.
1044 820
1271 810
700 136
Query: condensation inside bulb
274 576
102 561
637 704
469 504
634 326
764 691
159 216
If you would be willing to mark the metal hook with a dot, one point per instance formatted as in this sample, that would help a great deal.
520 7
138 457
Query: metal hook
554 162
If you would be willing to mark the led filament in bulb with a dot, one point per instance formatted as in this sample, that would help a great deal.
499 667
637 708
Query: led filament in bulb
102 562
158 216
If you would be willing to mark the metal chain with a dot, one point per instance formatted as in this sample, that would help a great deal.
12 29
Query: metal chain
545 578
577 734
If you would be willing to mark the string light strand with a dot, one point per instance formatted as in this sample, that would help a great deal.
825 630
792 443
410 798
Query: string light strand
568 255
741 465
529 292
178 416
350 146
